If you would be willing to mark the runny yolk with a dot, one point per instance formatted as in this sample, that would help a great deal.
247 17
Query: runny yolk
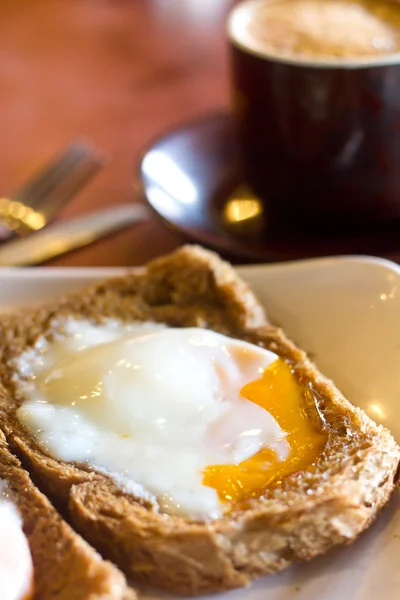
294 409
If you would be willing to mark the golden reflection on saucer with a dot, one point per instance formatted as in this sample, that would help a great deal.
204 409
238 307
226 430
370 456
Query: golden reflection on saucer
243 209
377 410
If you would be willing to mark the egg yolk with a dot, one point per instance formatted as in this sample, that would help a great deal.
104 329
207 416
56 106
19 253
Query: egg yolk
294 409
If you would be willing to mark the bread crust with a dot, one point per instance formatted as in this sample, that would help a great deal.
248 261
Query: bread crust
65 566
330 503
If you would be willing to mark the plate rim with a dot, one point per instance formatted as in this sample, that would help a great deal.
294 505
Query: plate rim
48 272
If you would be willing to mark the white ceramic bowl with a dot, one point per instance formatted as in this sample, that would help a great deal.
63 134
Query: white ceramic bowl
346 313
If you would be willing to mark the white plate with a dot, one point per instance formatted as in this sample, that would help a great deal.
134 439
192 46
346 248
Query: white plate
346 313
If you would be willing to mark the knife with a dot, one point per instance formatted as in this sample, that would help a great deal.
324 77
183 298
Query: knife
69 235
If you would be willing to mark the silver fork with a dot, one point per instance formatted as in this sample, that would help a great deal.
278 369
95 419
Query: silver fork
32 206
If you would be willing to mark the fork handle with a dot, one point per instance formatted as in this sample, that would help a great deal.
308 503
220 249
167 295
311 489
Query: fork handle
68 235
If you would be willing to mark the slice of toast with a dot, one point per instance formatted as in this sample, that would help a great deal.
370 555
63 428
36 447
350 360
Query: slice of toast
329 503
65 566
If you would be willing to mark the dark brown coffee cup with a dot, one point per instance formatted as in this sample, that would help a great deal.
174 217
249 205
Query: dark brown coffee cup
319 140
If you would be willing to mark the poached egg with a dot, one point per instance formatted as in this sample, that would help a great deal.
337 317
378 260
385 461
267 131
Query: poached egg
16 569
187 417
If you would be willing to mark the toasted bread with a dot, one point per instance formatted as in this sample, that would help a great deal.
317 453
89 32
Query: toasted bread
65 566
329 503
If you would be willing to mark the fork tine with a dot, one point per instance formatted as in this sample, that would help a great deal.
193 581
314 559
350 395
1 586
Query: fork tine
60 191
62 168
34 204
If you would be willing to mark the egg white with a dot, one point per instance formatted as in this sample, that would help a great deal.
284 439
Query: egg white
150 405
16 569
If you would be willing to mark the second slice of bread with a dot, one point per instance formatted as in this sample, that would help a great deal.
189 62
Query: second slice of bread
65 566
329 503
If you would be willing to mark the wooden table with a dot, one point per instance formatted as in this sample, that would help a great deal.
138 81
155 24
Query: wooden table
118 72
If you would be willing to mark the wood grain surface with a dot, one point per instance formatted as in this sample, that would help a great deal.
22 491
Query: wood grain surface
118 72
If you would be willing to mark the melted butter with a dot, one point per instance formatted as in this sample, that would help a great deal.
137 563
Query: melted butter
281 395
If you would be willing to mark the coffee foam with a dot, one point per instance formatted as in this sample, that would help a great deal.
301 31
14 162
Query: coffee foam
242 19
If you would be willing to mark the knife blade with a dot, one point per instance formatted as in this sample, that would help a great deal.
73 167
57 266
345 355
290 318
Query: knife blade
69 235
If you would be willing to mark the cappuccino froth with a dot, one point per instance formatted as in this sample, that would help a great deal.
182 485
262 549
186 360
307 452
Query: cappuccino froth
321 29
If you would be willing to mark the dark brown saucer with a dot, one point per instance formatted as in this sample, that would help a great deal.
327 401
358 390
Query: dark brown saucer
191 177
